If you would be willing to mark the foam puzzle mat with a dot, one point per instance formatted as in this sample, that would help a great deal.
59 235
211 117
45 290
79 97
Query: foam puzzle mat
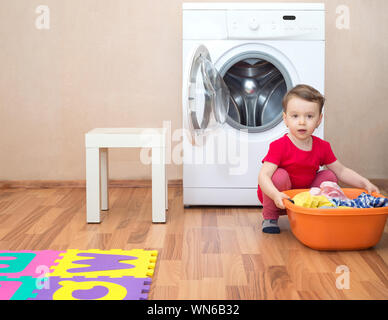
76 274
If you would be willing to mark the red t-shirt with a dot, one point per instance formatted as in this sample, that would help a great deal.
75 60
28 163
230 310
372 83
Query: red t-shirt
302 166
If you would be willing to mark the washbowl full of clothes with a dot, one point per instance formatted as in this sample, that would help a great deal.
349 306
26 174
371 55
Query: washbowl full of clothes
334 218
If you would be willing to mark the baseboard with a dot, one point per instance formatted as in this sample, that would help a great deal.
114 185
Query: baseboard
44 184
37 184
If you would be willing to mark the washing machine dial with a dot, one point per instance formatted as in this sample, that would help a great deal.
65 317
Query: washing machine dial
253 24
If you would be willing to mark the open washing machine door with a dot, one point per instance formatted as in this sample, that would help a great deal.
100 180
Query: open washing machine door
207 98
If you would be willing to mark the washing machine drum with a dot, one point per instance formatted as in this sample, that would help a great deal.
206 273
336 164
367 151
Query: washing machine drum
256 88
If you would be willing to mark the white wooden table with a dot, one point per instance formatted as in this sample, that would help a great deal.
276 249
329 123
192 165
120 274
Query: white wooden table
97 143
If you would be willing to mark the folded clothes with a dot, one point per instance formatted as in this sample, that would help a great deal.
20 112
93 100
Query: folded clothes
330 190
364 200
306 200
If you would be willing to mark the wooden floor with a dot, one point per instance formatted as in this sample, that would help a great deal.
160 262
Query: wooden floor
204 253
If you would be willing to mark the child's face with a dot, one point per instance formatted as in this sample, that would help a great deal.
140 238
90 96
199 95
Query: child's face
302 117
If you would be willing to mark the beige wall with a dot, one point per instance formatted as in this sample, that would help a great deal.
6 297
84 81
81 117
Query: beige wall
118 64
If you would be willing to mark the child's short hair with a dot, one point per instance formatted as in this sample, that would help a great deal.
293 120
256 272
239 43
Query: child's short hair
304 92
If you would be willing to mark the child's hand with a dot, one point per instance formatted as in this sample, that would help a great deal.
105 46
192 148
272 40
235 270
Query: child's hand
370 187
278 200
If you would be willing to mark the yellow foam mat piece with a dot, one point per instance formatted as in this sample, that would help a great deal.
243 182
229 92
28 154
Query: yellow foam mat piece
144 264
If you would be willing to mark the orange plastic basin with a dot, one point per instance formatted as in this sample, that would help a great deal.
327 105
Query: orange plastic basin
336 229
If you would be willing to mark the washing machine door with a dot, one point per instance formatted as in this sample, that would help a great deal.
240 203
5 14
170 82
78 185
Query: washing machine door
207 97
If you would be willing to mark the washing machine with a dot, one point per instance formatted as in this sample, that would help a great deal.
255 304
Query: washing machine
239 60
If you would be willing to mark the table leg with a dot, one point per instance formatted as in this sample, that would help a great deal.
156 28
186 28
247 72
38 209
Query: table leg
93 186
166 179
158 185
104 178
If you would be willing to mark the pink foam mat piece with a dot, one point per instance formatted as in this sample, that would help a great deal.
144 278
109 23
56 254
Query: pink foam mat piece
135 288
8 288
38 267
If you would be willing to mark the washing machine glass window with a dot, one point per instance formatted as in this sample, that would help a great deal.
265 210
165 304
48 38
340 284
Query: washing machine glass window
257 85
216 87
200 104
208 95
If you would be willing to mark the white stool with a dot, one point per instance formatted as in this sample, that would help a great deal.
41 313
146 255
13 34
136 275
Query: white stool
97 142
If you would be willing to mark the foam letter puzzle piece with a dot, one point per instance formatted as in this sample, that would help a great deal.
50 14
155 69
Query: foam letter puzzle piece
8 288
100 288
26 263
102 262
18 289
111 263
14 262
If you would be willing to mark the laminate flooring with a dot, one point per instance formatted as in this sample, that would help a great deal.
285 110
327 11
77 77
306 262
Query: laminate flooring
204 252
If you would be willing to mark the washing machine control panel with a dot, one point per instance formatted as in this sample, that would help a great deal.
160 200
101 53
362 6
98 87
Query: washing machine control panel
251 24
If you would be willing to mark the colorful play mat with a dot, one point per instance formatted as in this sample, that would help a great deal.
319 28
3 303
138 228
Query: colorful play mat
76 274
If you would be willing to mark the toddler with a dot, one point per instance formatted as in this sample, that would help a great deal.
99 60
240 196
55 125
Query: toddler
293 161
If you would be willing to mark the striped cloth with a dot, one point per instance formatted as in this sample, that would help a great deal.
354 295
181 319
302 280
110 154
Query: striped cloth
364 200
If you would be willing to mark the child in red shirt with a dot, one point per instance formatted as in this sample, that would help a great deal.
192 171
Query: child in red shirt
293 161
